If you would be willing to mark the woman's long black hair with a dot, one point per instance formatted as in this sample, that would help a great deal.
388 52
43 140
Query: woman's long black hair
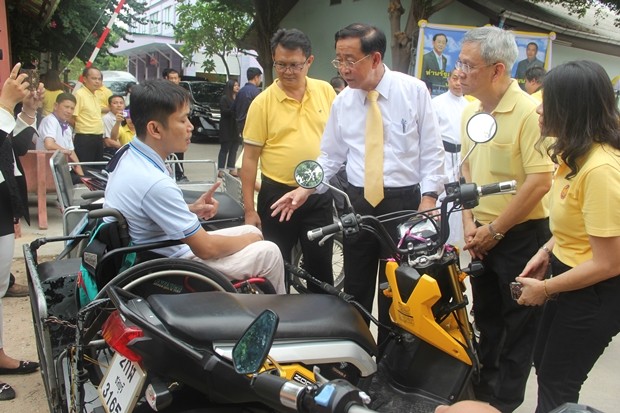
579 110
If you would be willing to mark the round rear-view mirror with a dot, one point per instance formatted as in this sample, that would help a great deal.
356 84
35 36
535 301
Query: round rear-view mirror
481 127
309 174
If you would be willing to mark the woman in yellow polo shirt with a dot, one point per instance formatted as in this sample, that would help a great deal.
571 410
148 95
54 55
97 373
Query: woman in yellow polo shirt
582 310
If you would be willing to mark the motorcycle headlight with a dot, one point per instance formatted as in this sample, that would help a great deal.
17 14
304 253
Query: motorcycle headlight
418 229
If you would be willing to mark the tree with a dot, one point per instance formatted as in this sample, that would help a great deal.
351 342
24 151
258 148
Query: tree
402 40
211 28
73 30
264 16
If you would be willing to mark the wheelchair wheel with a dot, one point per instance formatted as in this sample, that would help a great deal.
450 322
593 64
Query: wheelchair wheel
158 276
299 284
170 276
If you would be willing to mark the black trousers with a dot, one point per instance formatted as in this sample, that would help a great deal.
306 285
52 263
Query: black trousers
575 330
362 253
507 329
316 212
227 156
88 147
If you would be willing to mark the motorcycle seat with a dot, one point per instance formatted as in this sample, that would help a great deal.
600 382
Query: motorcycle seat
220 316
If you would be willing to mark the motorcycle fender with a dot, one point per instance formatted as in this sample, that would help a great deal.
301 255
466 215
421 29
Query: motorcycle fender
416 314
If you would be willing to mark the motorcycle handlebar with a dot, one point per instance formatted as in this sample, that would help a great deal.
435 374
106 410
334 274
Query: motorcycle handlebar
333 396
324 231
497 187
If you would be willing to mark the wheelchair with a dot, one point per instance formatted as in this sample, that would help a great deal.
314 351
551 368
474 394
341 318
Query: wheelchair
56 286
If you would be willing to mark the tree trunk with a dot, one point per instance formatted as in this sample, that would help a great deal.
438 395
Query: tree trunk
395 11
405 42
265 29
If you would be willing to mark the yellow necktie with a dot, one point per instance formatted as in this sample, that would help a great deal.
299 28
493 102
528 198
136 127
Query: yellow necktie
373 167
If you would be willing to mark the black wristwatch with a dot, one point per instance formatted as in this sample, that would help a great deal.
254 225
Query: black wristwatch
432 194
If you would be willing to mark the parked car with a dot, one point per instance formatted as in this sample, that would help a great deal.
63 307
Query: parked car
117 81
205 113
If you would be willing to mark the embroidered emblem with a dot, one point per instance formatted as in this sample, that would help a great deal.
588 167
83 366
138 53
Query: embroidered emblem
564 191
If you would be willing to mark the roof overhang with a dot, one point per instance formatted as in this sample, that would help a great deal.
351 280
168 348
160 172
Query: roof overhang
41 10
144 44
597 34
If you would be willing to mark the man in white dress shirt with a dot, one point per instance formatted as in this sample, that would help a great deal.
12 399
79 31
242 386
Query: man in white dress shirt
413 166
448 109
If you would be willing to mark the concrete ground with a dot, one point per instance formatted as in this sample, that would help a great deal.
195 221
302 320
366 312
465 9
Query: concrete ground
600 390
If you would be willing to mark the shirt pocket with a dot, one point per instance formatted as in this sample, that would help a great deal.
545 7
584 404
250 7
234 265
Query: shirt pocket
501 160
402 132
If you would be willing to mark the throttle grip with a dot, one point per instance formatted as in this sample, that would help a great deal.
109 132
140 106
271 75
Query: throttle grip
324 231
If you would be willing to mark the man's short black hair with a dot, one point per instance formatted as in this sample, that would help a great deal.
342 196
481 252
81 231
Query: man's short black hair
536 73
114 96
65 96
166 73
372 38
291 39
253 72
440 34
337 81
155 100
532 44
88 69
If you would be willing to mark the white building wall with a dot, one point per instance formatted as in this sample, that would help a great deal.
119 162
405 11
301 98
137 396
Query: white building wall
320 21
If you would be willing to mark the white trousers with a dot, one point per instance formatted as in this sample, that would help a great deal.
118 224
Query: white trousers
259 259
7 245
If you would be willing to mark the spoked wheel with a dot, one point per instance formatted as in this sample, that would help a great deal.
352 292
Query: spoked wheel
159 276
300 285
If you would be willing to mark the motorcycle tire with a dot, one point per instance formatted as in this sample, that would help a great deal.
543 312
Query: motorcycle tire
299 285
137 277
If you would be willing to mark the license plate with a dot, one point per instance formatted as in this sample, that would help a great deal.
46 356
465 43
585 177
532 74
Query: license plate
121 385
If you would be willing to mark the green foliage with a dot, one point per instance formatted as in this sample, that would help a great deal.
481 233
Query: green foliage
580 7
211 27
73 30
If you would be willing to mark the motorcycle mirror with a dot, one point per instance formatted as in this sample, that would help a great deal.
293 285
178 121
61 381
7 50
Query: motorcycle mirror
309 174
250 352
480 128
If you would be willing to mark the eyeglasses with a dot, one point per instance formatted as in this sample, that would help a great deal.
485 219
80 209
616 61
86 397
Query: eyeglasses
467 69
294 67
347 63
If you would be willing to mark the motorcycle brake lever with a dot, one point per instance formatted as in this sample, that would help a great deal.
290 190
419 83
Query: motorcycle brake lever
317 375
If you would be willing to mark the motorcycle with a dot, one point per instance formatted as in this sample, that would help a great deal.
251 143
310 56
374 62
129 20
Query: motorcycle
251 357
168 346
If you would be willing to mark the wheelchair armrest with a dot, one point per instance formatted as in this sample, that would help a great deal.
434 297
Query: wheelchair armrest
93 194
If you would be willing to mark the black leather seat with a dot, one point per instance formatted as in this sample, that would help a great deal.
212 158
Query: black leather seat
213 316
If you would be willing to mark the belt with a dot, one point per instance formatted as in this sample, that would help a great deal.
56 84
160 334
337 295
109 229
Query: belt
525 226
393 192
269 181
452 147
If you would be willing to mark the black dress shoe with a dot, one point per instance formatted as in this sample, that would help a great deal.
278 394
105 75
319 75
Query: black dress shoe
6 392
25 367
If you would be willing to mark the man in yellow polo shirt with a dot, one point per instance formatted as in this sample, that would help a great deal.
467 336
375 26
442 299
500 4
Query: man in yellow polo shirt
283 127
504 231
88 140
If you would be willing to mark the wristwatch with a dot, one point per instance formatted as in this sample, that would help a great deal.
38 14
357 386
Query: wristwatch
497 236
432 194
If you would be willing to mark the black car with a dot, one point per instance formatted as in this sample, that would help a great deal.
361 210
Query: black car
205 113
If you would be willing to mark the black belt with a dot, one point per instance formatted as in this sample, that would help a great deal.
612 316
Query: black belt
452 147
525 226
269 181
393 192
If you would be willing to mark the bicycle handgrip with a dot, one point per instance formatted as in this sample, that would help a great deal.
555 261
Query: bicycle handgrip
497 187
324 231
